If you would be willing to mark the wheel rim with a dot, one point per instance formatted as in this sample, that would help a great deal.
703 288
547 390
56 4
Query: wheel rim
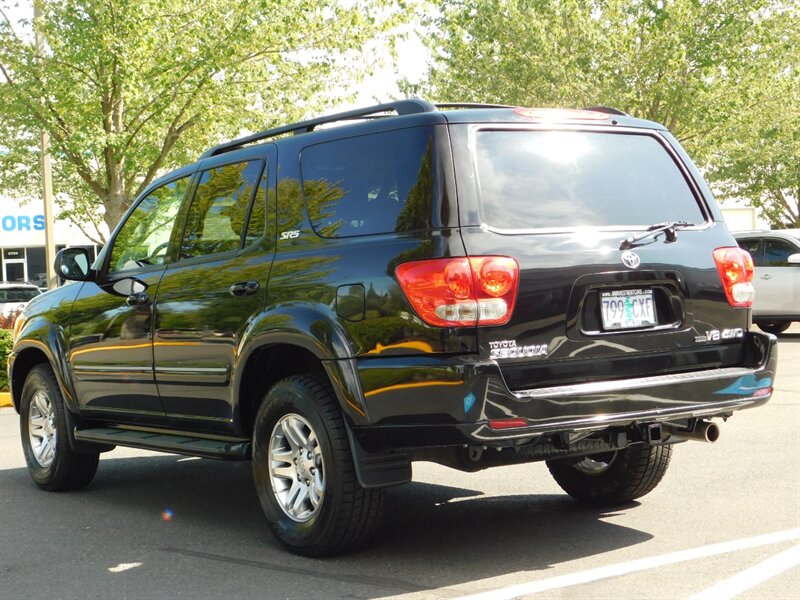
296 468
42 429
596 464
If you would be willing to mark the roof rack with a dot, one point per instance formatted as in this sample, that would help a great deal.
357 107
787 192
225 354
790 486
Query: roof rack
470 105
401 107
608 110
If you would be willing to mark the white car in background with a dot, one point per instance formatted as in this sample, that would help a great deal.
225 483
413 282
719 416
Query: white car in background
776 255
14 297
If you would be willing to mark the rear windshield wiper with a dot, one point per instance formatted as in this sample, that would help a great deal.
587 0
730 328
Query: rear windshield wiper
668 228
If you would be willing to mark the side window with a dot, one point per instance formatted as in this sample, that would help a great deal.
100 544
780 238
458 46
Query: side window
144 237
375 183
218 215
752 246
776 253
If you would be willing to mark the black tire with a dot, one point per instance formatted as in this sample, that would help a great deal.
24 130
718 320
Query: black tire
612 478
774 327
347 515
52 463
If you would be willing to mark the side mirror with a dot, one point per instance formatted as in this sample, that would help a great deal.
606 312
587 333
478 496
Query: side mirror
73 264
794 259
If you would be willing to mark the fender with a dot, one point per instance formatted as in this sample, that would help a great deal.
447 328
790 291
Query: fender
50 339
315 328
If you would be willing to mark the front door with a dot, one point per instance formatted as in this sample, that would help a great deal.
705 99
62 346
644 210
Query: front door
110 333
208 296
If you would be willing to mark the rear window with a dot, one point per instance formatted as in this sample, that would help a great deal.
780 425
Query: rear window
375 183
9 295
566 179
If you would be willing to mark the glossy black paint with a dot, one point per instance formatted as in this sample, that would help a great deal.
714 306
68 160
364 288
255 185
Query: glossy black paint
183 359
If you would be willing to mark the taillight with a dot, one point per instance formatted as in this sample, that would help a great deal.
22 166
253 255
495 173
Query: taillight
736 270
461 292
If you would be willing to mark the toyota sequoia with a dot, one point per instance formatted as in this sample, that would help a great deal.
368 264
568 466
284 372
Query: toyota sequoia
334 299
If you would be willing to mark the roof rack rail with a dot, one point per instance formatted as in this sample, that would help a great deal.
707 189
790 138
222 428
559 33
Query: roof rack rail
470 105
401 107
608 110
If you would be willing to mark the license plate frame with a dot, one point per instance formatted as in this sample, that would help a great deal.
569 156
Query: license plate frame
622 310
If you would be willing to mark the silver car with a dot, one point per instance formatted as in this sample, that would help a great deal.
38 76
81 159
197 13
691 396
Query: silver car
776 255
14 297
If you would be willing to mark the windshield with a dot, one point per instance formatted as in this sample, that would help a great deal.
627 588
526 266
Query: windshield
556 179
17 295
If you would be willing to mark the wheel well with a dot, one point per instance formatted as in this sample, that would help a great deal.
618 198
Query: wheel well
25 361
265 367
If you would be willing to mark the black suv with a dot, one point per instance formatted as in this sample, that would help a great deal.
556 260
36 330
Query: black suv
471 285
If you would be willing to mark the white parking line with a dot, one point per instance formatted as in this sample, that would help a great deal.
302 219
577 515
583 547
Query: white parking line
633 566
751 577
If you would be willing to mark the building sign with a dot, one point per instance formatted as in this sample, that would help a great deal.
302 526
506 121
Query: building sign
11 253
22 223
22 226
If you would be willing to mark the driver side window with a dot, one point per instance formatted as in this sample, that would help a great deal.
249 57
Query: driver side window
144 238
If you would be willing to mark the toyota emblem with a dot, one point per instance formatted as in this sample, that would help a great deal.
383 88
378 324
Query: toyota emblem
630 259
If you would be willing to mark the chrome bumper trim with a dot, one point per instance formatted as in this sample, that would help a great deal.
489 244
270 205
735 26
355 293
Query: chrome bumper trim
616 385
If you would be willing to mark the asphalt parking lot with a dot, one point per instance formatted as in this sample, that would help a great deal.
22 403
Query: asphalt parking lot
724 523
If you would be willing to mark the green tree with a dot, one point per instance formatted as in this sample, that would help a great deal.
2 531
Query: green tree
708 70
130 88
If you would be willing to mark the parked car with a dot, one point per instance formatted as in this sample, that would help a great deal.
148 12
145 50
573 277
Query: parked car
14 297
776 255
476 286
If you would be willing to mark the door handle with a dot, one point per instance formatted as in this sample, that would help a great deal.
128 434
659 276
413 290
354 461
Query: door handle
137 299
766 277
244 288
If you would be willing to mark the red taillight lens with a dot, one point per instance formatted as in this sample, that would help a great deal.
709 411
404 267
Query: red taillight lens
461 292
736 270
507 424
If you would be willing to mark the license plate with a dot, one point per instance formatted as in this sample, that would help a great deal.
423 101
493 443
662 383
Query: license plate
627 309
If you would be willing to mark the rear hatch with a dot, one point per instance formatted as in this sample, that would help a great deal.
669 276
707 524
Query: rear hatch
561 200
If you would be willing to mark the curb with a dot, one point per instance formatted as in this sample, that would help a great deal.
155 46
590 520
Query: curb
5 399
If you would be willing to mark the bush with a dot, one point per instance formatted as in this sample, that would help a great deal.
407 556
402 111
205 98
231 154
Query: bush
5 350
7 321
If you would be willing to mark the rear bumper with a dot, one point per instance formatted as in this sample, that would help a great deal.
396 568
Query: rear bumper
430 401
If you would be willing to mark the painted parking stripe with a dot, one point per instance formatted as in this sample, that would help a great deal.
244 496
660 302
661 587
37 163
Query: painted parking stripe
633 566
751 577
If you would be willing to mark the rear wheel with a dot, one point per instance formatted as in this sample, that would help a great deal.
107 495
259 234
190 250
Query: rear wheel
775 327
304 474
52 463
613 477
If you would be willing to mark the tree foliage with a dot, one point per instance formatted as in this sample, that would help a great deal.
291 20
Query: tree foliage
129 88
714 72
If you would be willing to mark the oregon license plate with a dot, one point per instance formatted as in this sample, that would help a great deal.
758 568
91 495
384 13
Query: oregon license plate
627 309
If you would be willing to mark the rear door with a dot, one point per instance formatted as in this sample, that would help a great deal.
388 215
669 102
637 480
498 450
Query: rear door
218 282
560 201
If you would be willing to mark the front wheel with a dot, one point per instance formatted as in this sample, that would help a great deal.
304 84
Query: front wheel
613 477
53 465
304 474
774 327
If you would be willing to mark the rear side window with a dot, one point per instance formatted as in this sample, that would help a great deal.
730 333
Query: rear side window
375 183
218 215
558 179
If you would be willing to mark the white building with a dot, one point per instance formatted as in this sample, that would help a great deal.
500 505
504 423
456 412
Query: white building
22 243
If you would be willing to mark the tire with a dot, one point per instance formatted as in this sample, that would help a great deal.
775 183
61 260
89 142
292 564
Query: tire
614 477
52 463
304 474
774 327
